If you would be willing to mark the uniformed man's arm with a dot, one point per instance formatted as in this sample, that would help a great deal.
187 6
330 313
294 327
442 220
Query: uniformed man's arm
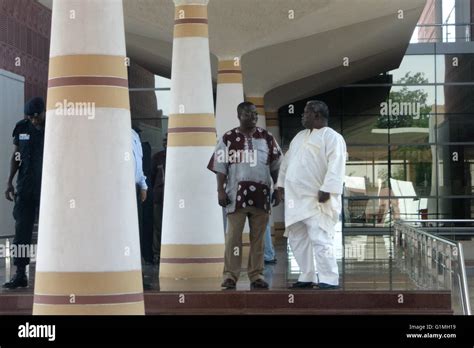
14 165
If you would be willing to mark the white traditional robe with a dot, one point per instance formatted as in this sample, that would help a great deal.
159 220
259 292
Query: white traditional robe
314 162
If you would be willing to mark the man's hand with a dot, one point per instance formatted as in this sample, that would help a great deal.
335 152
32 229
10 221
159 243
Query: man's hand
277 197
10 192
224 200
281 192
142 196
323 197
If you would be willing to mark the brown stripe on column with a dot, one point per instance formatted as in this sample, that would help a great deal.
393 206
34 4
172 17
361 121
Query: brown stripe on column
191 20
192 260
191 30
191 130
192 251
86 283
101 96
190 11
229 78
192 139
191 120
272 123
135 308
229 64
87 65
88 300
191 270
256 100
229 71
87 81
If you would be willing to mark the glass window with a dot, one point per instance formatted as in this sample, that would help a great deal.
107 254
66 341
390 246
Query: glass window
412 172
455 99
365 100
363 129
415 69
366 170
407 112
455 128
455 68
455 208
456 169
366 212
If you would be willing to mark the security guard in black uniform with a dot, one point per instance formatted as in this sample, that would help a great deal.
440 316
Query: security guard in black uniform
27 159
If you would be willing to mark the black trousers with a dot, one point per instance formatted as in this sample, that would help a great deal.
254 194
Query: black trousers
145 225
24 213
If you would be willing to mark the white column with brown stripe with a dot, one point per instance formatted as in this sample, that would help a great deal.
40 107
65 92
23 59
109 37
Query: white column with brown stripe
192 235
258 101
278 215
230 93
88 259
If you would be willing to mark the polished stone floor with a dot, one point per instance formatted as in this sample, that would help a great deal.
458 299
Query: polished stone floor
367 265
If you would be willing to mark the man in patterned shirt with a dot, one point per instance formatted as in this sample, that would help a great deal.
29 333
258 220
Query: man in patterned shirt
246 160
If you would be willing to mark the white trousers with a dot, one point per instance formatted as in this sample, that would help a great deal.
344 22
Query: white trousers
309 242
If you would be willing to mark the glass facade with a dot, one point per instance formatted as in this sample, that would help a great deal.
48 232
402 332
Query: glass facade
409 134
409 131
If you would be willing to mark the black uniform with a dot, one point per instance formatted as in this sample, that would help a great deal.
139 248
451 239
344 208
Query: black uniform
30 142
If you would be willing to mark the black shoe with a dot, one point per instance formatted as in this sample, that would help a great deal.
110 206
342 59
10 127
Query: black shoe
259 284
324 286
18 280
302 285
271 262
229 284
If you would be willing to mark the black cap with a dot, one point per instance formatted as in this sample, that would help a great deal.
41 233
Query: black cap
34 106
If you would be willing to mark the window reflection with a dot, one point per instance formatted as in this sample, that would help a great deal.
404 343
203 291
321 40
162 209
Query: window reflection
456 169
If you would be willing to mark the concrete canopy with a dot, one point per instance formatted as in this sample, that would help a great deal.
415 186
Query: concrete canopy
277 39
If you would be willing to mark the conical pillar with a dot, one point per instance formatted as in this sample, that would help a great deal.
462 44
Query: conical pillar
230 93
88 259
259 103
278 215
193 237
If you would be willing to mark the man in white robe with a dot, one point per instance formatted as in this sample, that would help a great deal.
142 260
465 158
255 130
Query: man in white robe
311 182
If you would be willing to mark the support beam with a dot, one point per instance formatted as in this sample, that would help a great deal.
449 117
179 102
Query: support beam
193 237
88 259
230 93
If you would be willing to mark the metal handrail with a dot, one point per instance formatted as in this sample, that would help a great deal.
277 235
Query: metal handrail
457 250
466 37
440 220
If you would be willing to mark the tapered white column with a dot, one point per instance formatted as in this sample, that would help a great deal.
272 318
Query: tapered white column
193 237
230 93
88 259
258 101
278 215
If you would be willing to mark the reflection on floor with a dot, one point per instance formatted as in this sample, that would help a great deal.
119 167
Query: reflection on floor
367 266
